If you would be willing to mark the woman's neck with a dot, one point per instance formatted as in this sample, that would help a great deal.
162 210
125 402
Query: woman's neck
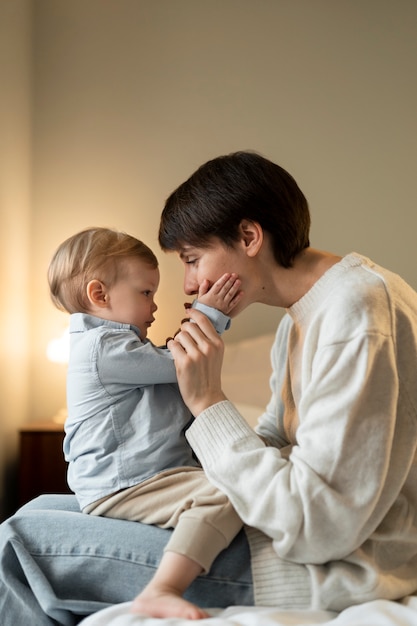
283 287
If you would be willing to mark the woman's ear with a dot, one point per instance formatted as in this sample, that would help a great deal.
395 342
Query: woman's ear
252 236
97 294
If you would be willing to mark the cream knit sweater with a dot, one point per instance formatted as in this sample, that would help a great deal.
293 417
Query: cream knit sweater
331 502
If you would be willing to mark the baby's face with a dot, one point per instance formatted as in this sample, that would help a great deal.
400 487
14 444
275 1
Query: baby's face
131 298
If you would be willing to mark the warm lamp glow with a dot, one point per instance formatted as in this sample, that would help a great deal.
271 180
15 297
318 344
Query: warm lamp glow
57 349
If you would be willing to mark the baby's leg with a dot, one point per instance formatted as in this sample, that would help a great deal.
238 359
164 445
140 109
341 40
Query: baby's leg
204 523
162 597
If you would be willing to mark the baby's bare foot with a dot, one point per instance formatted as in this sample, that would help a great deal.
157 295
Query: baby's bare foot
165 603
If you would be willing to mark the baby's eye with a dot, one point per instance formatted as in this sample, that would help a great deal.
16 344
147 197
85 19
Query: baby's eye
147 293
190 261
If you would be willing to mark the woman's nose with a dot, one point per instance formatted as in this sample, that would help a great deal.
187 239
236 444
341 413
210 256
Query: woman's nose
190 286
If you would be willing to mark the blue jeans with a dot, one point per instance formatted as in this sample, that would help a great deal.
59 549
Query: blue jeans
58 565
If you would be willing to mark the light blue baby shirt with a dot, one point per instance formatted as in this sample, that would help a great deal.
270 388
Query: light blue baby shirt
126 417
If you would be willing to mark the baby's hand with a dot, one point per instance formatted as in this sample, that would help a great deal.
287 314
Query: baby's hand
223 295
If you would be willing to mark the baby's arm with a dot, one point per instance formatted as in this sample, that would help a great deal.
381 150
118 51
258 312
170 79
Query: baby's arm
223 295
217 300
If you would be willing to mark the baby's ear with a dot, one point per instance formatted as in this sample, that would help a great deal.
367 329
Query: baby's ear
97 294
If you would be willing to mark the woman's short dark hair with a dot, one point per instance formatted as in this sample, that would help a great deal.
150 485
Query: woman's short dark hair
228 189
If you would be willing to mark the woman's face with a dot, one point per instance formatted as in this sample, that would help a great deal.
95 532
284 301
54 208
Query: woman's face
211 263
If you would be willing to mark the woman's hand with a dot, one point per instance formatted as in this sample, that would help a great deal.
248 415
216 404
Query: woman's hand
198 354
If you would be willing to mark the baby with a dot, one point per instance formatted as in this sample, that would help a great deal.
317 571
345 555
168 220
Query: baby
125 444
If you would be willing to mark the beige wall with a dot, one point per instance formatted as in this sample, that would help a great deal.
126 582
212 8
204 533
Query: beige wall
15 223
130 96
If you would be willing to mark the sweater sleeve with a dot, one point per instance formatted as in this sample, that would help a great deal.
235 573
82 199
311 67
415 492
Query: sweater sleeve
320 498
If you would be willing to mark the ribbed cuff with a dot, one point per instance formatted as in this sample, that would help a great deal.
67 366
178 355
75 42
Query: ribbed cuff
216 429
276 582
198 540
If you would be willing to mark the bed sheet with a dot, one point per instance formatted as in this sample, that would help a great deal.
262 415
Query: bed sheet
376 613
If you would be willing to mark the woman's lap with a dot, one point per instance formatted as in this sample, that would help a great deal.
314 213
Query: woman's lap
75 564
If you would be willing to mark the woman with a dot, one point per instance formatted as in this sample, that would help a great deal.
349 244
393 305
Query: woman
329 481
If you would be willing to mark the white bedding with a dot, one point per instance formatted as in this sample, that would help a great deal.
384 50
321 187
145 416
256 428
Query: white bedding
377 613
246 372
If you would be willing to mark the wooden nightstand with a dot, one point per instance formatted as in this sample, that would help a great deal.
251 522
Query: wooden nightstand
42 466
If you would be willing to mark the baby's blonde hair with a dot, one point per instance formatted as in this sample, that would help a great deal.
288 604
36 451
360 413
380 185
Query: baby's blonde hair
93 253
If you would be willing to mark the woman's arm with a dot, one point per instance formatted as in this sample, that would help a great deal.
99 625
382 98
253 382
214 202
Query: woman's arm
321 498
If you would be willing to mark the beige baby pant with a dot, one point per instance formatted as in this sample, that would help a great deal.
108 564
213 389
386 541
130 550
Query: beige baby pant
182 498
